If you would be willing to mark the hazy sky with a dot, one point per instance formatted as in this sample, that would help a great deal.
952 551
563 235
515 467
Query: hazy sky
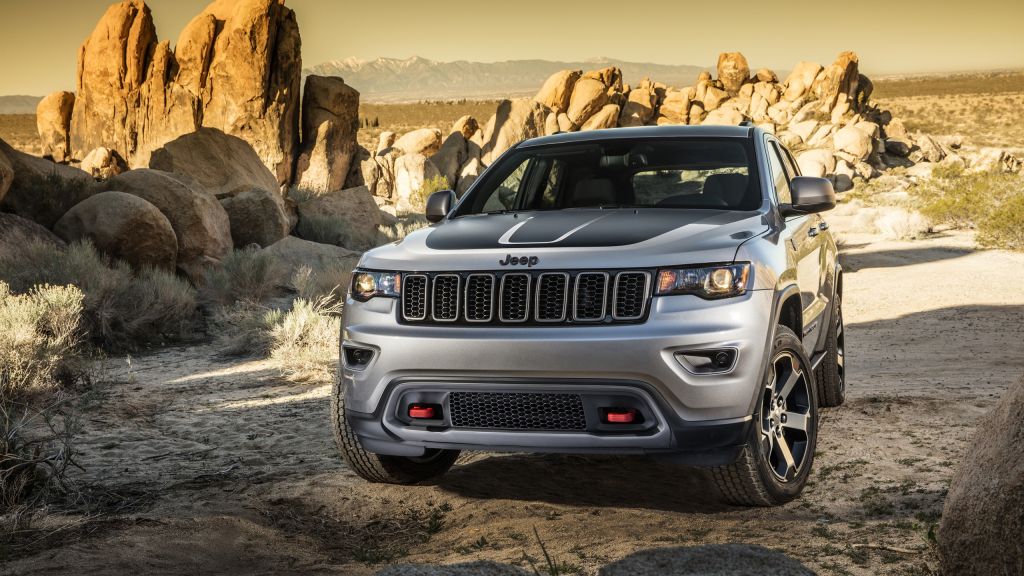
39 40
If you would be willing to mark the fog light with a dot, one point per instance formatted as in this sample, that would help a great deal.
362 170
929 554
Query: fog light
357 358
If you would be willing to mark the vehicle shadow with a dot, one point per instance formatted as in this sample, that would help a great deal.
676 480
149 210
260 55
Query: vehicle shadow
854 261
600 481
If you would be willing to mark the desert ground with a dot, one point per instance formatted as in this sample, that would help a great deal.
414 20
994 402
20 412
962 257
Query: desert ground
193 462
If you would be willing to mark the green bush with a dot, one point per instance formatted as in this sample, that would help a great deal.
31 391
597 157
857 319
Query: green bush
431 185
248 275
122 308
991 202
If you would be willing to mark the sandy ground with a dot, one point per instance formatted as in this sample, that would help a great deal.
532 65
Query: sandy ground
209 465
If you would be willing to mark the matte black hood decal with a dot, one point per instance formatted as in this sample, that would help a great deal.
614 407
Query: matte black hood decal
569 228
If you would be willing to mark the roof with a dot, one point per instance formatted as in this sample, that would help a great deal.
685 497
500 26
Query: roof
641 132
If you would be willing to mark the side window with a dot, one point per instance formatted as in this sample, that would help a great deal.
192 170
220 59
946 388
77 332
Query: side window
791 166
504 196
779 177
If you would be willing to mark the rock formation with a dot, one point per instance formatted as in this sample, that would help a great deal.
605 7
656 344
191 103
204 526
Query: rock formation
53 121
221 163
330 121
236 68
37 188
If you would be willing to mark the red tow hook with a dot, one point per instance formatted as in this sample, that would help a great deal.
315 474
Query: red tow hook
620 415
421 412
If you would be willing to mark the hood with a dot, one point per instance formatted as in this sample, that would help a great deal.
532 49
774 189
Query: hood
572 239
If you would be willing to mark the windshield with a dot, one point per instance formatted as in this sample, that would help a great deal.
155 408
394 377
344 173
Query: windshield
701 173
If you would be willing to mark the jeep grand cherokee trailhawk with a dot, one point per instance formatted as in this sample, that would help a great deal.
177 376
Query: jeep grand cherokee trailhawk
664 291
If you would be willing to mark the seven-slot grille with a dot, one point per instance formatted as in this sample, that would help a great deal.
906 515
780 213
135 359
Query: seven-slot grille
526 298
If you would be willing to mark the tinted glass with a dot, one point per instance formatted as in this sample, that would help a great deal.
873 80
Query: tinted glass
649 173
779 177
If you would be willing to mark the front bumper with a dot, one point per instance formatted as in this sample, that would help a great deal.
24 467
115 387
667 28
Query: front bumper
691 412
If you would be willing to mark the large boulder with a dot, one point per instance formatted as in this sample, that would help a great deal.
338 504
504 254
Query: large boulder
351 216
412 171
723 117
854 141
17 232
295 253
639 108
219 162
256 216
707 560
123 226
837 84
588 96
457 149
103 163
236 67
733 71
819 162
425 141
713 98
983 518
557 90
606 117
53 122
475 568
928 149
201 225
330 121
39 189
513 122
801 79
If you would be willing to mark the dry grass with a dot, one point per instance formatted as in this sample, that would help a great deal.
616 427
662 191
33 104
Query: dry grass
982 119
248 275
19 130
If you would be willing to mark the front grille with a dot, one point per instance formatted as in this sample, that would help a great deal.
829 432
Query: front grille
526 298
516 411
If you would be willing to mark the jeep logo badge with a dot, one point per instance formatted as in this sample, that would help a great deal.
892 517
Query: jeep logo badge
528 261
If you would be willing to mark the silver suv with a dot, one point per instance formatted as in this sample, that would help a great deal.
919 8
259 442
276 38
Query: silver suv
664 291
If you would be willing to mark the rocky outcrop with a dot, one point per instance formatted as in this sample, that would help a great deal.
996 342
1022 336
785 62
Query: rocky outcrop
330 120
219 162
513 122
200 224
39 189
53 122
353 212
16 233
983 517
295 253
733 71
457 149
103 163
557 90
257 216
236 68
411 172
123 226
425 141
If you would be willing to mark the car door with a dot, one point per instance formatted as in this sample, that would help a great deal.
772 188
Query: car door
803 241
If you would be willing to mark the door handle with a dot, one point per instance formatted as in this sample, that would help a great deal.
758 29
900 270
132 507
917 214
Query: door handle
812 232
823 225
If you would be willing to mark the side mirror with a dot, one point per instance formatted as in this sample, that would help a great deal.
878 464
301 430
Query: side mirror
810 195
439 204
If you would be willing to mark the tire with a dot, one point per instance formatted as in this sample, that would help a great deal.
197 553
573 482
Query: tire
763 475
832 372
379 468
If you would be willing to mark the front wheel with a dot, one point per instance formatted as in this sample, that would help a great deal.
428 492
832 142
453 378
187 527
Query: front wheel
378 467
832 373
774 465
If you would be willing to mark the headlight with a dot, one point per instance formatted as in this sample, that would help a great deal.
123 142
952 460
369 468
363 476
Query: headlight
706 281
366 285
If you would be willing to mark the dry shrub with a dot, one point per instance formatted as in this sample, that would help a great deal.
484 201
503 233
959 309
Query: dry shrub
248 275
900 224
430 185
387 233
122 308
305 340
330 230
330 282
991 202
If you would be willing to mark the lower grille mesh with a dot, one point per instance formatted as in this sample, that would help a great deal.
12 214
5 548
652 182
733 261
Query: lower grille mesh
517 411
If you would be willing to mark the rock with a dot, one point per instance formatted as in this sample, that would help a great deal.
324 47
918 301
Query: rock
766 75
425 141
16 233
706 560
295 253
476 568
837 84
386 140
983 517
589 96
696 113
452 155
896 129
123 226
800 80
468 175
557 90
257 216
53 122
607 117
898 146
921 171
515 121
713 98
817 162
853 141
789 139
352 213
330 121
733 71
804 129
200 224
639 108
928 149
723 117
995 160
611 77
676 106
236 68
465 125
39 189
551 124
103 163
794 90
411 172
219 162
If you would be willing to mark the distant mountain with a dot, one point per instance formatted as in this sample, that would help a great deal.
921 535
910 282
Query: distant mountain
19 104
411 79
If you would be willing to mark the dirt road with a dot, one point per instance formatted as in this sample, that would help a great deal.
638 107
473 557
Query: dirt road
207 465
